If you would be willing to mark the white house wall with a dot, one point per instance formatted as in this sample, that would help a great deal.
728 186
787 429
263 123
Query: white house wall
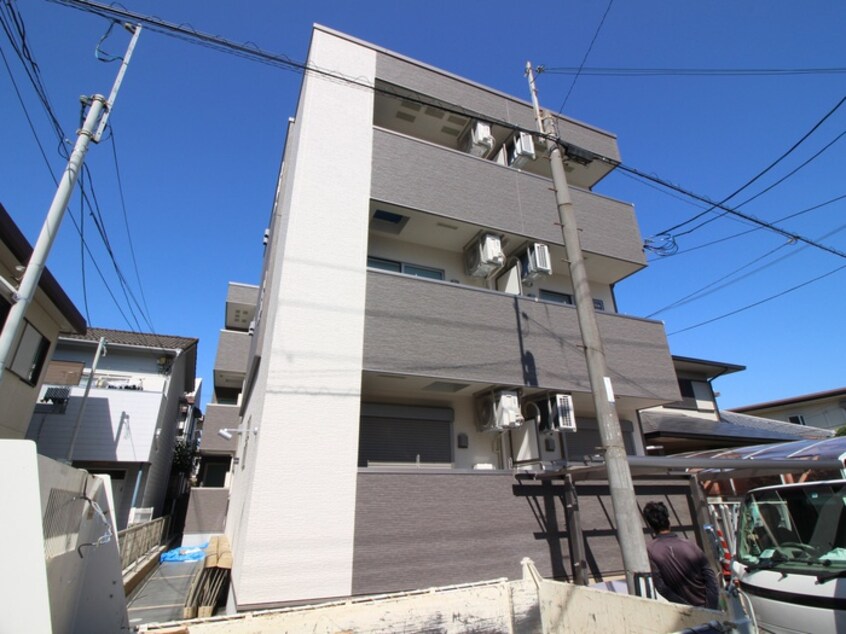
295 538
117 425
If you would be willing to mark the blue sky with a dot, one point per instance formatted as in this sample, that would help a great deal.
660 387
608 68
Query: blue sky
198 136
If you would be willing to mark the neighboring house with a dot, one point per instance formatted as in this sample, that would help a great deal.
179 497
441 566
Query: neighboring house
392 347
819 409
696 422
141 401
210 493
50 313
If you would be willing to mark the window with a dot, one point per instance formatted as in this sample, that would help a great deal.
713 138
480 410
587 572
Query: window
64 372
553 296
404 268
31 354
405 434
423 271
214 471
384 265
566 298
798 419
695 395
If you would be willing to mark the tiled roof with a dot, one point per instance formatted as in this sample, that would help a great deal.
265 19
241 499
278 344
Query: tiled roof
803 398
146 340
730 425
757 422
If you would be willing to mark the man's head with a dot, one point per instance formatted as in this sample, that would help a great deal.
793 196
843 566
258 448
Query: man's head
657 516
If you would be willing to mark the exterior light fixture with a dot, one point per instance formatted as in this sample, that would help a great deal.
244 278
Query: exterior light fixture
227 433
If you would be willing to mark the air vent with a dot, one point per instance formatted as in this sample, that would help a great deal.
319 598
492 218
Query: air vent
411 105
444 386
406 117
388 222
434 112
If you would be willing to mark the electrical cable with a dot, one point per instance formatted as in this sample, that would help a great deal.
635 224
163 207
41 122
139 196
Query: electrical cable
758 303
146 311
691 72
748 231
22 50
758 175
587 54
569 149
28 118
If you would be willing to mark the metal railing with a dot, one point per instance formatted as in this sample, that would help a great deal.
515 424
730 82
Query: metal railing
139 540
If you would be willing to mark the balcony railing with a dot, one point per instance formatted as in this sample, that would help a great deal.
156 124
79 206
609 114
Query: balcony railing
138 541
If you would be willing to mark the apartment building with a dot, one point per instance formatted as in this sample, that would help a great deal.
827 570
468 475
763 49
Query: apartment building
124 418
415 355
220 425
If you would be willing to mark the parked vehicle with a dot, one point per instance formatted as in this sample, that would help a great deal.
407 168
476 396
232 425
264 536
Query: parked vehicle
790 559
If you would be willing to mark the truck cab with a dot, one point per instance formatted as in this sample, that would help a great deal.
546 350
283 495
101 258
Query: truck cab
790 560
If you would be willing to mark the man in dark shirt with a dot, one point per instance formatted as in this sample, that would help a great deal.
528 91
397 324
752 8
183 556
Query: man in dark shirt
680 570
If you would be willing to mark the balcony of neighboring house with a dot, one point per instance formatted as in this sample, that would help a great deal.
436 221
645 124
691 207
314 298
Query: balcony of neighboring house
442 197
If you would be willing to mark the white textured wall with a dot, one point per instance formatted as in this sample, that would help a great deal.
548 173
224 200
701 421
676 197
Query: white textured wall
117 425
292 514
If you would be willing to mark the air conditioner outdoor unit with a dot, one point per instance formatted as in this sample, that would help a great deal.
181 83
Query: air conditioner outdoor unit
484 255
477 139
563 416
535 262
556 413
498 410
522 151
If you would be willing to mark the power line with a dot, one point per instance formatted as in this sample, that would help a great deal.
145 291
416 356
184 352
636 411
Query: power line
790 150
146 311
256 54
752 219
690 72
758 303
13 26
746 232
587 54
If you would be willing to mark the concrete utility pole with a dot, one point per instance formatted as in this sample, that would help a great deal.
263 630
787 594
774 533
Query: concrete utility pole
626 513
91 130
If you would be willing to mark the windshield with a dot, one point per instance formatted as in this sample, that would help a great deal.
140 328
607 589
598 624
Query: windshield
797 529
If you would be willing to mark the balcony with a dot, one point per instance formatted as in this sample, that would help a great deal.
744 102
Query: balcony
241 300
454 332
219 417
206 511
230 364
471 192
447 97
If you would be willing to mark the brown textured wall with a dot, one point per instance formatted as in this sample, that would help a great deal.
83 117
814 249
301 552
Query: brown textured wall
421 327
437 84
206 510
415 174
417 530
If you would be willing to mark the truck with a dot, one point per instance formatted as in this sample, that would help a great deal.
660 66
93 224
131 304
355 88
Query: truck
790 556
